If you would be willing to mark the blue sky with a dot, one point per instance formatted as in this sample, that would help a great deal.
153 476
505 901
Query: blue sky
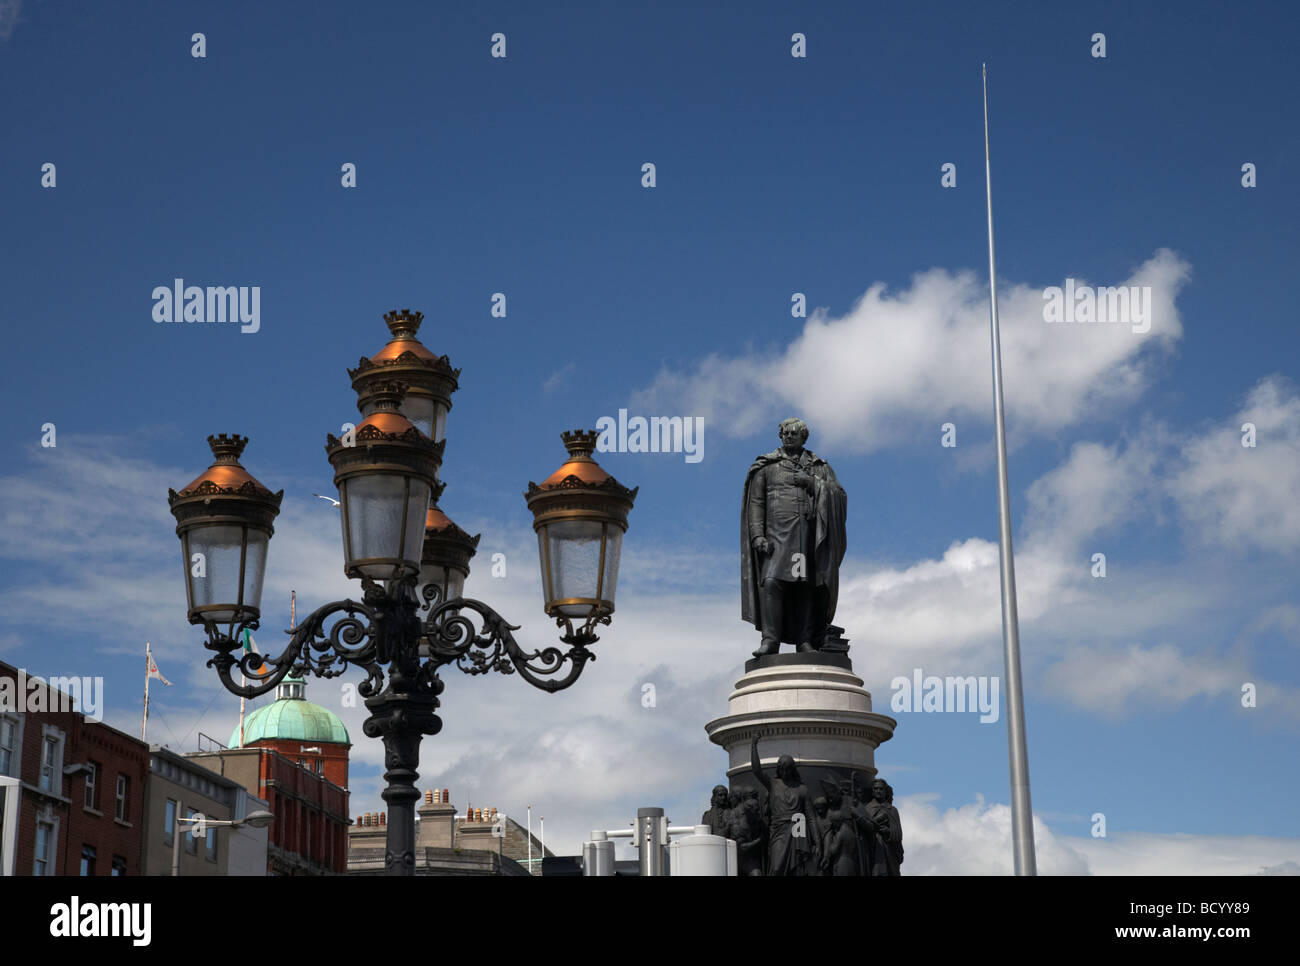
775 175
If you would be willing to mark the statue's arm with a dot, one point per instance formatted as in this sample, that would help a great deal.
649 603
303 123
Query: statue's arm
756 764
758 505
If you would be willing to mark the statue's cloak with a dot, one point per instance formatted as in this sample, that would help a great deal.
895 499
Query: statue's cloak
831 508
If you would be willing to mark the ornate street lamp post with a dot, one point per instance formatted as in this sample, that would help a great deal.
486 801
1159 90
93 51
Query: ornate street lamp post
395 540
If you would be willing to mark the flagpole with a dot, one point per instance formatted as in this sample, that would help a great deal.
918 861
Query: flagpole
1022 815
144 722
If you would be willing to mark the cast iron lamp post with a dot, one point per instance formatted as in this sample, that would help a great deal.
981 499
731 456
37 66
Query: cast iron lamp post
386 474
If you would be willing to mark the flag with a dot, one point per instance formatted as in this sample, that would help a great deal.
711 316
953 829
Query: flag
250 647
151 669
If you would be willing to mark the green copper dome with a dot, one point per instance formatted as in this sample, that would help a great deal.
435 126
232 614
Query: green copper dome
291 717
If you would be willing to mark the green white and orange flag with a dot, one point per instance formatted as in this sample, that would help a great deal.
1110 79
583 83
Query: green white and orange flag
250 647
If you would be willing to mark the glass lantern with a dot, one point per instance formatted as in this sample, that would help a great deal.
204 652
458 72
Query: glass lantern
224 522
447 552
580 516
384 478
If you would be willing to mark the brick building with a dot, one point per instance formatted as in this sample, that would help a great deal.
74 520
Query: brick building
309 835
75 802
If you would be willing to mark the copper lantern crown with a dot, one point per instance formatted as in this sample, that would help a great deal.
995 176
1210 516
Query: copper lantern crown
430 379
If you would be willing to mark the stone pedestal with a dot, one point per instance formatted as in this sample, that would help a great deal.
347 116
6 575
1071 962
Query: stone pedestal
809 706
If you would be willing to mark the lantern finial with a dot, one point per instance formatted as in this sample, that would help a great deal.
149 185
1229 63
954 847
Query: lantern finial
580 443
227 447
403 323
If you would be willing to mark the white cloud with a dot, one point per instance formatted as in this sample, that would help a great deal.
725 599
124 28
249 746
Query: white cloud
1084 637
1246 497
1114 679
1152 853
900 362
975 839
1095 490
10 10
559 377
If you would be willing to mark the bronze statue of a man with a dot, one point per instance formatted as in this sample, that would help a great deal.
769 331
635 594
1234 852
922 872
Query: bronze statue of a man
880 820
792 542
718 817
792 826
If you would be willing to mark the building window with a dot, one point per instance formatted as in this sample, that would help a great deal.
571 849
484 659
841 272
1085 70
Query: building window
44 864
49 762
191 843
169 822
210 845
87 860
119 865
92 786
8 745
123 788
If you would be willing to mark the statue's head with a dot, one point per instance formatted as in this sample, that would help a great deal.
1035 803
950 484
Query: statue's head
746 801
721 798
861 788
819 806
786 770
834 795
882 792
793 433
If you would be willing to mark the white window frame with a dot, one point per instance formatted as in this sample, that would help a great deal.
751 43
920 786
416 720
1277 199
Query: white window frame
46 816
89 798
51 735
122 798
16 753
13 793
